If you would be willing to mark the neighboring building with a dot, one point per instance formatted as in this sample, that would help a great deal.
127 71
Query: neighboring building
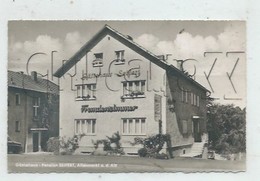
120 86
33 110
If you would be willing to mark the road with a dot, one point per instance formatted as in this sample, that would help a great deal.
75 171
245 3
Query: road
30 163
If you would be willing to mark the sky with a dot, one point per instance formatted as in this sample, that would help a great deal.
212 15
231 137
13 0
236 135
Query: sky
182 39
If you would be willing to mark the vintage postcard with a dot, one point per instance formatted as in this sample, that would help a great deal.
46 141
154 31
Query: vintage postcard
126 96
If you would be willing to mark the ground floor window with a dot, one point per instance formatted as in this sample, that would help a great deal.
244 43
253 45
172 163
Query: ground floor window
134 126
85 126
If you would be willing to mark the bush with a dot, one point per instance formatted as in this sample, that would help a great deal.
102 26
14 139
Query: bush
53 145
142 152
61 146
111 145
153 145
69 146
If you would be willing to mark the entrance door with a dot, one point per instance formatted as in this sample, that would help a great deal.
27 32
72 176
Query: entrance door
196 130
35 142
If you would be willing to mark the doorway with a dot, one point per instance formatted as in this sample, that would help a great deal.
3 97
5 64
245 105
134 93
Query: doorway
35 142
196 130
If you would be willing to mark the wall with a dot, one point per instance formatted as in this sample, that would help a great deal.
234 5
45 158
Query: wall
24 114
17 113
183 111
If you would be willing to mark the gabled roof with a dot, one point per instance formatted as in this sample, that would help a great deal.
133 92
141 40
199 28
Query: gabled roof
23 81
127 41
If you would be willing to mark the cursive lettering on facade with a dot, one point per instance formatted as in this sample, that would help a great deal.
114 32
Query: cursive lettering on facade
131 72
101 109
93 75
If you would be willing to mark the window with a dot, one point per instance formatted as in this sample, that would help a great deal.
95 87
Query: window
182 95
98 62
133 89
36 105
191 98
194 99
17 126
85 126
120 57
184 126
186 96
86 92
17 99
198 100
134 126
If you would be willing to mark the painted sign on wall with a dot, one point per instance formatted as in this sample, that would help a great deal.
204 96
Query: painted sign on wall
157 107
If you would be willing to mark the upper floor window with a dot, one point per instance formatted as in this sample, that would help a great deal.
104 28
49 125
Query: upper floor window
186 96
191 98
182 95
194 99
86 92
98 62
133 89
120 57
36 106
17 99
198 100
134 126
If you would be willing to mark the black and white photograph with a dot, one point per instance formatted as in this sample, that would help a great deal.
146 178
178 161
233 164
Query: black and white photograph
126 96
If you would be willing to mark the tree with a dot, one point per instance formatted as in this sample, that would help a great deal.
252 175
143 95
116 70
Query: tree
227 128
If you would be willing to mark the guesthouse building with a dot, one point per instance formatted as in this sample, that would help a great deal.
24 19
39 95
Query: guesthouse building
112 84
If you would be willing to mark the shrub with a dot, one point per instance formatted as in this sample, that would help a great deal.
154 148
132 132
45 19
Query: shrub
153 145
70 145
108 144
142 152
63 146
53 145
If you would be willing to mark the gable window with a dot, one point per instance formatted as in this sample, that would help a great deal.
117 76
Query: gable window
36 105
17 99
86 92
133 89
133 126
85 126
98 62
17 126
119 57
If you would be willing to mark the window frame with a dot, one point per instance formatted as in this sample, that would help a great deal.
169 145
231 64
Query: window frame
36 106
17 126
17 101
119 57
134 122
90 90
98 61
198 101
131 92
82 128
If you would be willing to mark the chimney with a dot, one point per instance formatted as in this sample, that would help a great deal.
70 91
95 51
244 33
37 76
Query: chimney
179 65
161 57
34 75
